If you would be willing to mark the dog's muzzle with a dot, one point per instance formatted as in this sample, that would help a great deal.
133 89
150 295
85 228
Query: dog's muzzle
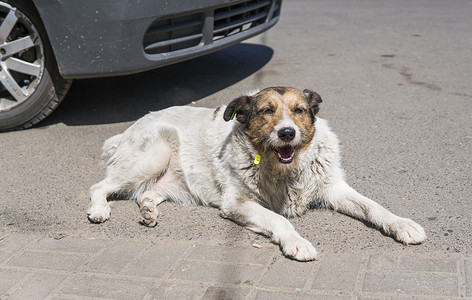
286 152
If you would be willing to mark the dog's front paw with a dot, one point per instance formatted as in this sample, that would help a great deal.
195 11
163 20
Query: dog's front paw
407 231
98 213
298 248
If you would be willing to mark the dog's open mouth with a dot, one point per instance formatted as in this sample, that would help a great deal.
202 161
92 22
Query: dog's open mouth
285 154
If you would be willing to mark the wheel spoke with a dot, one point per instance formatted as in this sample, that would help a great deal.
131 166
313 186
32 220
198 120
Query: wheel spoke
7 25
6 103
23 67
13 47
10 84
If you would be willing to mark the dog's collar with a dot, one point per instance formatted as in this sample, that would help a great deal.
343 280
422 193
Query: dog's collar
256 161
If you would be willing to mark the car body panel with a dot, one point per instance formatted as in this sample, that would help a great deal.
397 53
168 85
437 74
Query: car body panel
93 38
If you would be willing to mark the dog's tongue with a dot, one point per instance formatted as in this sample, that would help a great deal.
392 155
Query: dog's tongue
285 152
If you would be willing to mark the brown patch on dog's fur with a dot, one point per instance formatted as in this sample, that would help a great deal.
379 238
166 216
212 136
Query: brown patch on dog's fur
299 112
268 111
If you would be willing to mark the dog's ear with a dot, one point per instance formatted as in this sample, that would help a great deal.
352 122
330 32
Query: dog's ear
239 107
313 101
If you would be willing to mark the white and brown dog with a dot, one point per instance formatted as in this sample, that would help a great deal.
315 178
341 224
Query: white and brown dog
276 160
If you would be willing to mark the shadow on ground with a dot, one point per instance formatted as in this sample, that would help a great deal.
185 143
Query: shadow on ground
127 98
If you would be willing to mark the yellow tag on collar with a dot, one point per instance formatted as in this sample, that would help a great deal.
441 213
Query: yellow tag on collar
257 160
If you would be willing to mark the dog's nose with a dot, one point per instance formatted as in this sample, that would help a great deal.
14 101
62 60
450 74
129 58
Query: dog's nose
286 134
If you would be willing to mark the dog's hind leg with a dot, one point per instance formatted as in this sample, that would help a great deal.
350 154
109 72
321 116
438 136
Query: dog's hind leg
99 210
148 203
134 161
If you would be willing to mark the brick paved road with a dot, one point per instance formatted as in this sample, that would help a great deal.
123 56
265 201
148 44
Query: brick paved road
35 267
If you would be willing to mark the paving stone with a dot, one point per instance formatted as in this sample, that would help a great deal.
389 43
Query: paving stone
241 255
338 273
214 272
8 278
10 243
38 286
272 295
68 245
289 273
99 287
225 293
53 261
115 257
468 277
157 260
412 283
181 291
395 263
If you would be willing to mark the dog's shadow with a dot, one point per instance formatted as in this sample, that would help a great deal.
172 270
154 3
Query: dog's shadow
127 98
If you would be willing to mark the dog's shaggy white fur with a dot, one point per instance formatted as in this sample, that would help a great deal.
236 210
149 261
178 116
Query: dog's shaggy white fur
276 160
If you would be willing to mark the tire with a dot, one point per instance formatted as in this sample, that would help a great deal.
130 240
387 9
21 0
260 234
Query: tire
30 84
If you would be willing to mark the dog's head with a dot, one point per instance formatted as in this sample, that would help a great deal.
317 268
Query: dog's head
279 121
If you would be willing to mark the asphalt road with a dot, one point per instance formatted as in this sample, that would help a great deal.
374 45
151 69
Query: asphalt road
395 77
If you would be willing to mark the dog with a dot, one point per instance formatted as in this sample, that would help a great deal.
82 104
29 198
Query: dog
263 158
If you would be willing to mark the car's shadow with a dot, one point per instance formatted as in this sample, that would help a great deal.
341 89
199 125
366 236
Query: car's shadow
127 98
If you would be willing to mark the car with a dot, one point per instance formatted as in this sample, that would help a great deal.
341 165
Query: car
45 44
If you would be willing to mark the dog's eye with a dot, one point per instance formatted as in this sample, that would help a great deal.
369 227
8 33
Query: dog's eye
268 111
298 110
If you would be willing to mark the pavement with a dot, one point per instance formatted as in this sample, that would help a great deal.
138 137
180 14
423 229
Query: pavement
395 81
35 267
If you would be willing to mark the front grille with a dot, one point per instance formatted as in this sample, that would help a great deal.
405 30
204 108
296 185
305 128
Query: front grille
240 17
174 34
191 30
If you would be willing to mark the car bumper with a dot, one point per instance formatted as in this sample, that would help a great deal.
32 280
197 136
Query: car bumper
91 38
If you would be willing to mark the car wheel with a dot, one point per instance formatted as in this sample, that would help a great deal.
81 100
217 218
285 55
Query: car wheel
30 84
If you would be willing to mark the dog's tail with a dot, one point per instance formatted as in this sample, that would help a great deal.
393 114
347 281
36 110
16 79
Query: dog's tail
110 146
